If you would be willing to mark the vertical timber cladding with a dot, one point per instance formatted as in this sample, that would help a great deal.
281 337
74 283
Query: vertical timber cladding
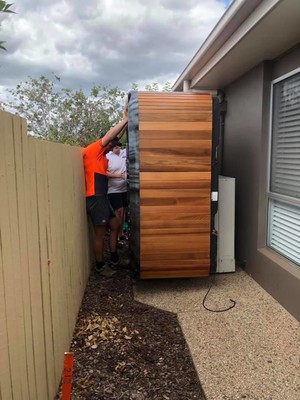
175 141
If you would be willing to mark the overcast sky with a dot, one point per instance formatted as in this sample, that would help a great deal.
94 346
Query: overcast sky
108 42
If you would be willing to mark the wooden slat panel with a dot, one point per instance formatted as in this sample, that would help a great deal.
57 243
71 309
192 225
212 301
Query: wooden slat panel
175 243
183 255
23 201
178 177
46 267
175 107
149 184
160 273
179 220
169 265
35 275
6 301
173 193
175 132
170 126
171 155
178 117
177 201
173 163
172 230
204 134
58 258
186 145
170 268
149 211
12 266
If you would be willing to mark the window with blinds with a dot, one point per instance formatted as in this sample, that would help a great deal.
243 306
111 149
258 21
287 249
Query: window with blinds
285 229
284 194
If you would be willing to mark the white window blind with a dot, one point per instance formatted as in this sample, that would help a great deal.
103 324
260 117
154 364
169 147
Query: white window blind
284 195
284 230
285 166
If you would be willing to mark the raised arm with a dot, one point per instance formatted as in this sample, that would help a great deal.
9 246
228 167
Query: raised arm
118 129
114 131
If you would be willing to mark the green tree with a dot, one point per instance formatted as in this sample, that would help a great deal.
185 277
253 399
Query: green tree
4 8
154 87
65 115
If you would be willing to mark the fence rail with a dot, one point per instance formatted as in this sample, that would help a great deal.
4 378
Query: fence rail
44 259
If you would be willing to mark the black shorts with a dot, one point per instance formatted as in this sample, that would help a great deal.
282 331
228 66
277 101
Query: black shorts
118 200
99 209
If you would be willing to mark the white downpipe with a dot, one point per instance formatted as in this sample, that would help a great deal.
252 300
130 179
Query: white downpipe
186 86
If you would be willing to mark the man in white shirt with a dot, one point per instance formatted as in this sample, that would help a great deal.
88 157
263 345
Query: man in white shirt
117 183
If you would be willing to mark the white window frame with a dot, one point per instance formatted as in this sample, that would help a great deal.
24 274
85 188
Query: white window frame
271 195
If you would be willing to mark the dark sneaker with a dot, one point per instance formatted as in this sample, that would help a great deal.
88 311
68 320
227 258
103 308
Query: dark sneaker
105 270
115 264
120 264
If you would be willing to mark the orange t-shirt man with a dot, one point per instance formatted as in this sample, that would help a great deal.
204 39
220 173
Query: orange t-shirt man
95 166
97 204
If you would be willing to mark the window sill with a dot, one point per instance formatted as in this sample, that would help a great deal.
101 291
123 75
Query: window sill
281 261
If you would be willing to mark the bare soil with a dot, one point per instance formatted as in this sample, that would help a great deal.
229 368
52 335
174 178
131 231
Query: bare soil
127 350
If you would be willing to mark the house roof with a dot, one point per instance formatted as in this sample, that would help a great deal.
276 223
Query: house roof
248 33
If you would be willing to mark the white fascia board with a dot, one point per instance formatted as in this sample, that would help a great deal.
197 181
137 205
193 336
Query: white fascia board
230 29
257 15
229 22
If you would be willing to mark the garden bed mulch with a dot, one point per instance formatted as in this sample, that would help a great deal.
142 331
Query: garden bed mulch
127 350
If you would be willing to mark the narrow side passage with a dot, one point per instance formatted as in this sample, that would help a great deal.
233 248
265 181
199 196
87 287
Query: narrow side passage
124 349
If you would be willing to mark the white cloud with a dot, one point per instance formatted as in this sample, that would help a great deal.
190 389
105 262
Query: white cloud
110 42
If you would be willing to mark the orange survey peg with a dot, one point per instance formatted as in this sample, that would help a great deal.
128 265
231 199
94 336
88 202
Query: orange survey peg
67 376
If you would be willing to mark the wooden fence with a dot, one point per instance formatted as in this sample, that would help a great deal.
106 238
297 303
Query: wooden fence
44 259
